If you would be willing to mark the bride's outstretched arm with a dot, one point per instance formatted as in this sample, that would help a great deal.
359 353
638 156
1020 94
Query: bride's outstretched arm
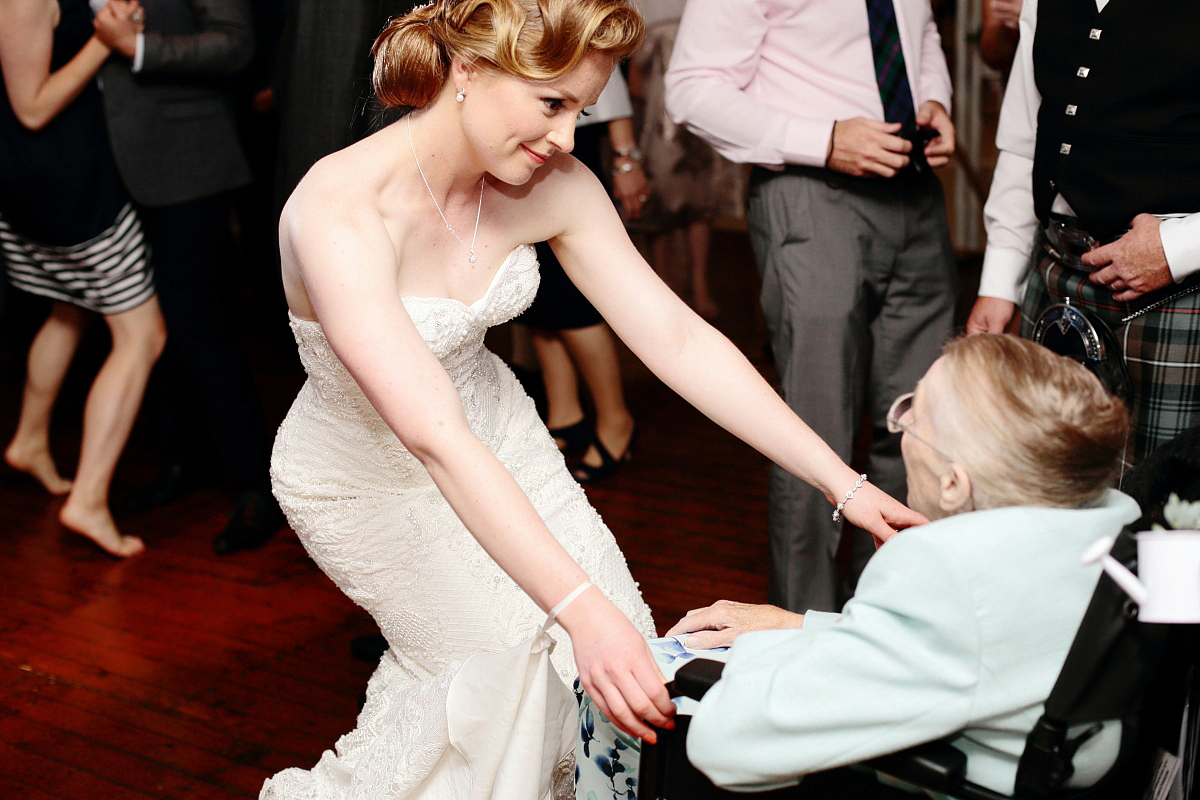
700 363
348 269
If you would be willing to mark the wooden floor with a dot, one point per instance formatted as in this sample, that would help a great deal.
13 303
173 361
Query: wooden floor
180 674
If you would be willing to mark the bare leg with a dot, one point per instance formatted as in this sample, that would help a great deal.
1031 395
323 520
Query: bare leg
594 351
562 386
699 234
138 337
49 358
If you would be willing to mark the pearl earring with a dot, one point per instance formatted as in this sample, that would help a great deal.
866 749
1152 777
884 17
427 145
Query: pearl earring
462 94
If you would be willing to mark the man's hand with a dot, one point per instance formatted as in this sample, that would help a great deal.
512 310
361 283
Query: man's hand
932 114
1006 12
862 146
990 315
723 621
1134 264
117 25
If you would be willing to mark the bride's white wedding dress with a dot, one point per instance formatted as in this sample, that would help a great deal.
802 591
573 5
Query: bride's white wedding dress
371 518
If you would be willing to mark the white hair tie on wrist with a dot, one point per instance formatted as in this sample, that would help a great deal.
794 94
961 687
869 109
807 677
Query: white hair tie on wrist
837 512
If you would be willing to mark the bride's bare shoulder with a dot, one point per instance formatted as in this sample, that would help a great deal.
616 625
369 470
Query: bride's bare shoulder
333 194
552 197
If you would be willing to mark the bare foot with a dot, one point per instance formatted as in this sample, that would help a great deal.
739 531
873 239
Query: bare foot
98 525
40 464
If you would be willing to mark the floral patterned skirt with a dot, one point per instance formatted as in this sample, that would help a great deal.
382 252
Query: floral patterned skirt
607 758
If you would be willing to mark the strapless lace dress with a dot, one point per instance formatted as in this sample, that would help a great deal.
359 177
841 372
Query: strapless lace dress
372 519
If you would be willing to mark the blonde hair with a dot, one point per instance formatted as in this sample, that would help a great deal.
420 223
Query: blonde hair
538 40
1031 427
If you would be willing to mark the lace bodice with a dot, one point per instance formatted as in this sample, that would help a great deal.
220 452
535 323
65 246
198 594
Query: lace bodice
454 332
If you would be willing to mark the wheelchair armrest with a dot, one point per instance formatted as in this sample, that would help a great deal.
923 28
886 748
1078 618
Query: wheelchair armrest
695 678
936 765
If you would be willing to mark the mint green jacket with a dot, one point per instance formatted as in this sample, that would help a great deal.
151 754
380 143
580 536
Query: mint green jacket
959 627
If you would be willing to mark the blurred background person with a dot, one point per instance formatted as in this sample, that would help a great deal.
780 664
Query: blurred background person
569 335
999 36
69 232
176 147
690 183
323 84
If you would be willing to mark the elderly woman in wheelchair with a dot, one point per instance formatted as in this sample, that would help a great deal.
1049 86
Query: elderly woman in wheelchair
959 626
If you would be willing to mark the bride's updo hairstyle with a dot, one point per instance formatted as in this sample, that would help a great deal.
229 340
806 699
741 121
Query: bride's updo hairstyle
538 40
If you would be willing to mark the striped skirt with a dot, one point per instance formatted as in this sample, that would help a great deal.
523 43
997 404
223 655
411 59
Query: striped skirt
108 274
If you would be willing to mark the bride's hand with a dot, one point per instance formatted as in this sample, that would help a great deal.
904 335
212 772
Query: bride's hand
616 666
880 514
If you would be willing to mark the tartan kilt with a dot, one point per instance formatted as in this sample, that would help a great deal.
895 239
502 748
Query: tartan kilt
1161 346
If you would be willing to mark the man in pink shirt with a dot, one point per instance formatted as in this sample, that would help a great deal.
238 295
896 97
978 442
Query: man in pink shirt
848 225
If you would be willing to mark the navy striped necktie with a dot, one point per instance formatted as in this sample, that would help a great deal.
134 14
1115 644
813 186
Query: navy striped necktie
889 64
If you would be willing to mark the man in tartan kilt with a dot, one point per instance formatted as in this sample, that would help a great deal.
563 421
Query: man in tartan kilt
1096 193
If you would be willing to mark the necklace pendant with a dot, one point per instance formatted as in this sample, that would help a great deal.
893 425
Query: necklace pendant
472 258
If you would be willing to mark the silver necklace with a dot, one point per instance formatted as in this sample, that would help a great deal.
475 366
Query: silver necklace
482 183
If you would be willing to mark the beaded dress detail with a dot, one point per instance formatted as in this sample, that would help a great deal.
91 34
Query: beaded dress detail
371 518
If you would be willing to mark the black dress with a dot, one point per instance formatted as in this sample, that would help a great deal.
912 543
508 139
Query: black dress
559 305
67 228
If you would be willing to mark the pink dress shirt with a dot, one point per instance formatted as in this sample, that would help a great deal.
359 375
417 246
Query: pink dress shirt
763 81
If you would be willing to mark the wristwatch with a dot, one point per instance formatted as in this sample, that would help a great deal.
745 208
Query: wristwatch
633 154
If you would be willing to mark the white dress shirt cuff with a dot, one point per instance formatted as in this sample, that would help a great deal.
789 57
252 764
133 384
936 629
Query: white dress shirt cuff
139 52
806 141
1181 244
1003 273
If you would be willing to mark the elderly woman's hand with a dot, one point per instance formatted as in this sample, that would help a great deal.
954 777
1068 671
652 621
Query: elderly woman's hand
879 514
723 621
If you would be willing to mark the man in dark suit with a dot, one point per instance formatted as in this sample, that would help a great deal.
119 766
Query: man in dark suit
323 88
176 147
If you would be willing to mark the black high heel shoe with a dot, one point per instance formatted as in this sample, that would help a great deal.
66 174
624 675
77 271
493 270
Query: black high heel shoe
586 473
576 436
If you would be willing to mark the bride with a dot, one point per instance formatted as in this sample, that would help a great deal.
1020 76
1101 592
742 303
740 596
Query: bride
412 466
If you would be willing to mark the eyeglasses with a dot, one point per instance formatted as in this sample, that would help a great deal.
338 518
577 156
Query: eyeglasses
900 407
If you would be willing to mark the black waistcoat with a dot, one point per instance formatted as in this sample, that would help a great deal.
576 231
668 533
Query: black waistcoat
1119 125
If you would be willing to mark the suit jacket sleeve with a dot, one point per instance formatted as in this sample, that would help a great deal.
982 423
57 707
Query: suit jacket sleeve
898 668
222 44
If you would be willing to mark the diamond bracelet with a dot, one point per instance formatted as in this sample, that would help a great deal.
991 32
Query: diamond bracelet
837 512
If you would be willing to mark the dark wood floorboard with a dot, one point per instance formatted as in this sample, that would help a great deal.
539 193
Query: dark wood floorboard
180 674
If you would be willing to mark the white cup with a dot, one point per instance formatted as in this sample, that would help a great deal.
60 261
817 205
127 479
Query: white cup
1167 586
1169 568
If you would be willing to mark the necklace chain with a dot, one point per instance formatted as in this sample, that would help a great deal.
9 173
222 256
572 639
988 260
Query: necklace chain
482 183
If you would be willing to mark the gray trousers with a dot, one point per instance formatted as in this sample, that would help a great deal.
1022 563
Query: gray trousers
859 288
